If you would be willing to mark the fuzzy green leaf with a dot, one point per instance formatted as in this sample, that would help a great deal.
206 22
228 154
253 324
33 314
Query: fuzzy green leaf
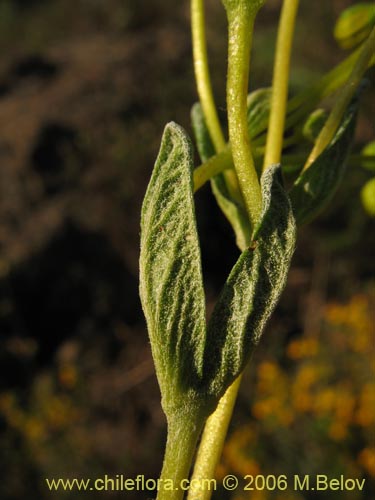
171 285
316 185
252 289
233 211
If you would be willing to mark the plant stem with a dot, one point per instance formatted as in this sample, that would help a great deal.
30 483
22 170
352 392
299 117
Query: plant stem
280 83
183 434
213 166
202 74
347 92
212 443
204 88
240 30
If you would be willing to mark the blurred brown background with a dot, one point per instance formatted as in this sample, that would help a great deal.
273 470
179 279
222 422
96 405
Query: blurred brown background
86 87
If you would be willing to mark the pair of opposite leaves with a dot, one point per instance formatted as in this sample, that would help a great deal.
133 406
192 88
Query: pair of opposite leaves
195 362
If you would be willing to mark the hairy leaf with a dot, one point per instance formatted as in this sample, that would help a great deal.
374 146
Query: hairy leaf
233 211
316 185
252 289
171 286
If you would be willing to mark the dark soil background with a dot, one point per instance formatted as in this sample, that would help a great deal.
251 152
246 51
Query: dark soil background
86 88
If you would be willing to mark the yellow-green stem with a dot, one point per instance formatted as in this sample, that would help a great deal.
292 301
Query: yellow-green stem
280 82
204 88
202 74
183 434
212 443
240 29
213 166
345 95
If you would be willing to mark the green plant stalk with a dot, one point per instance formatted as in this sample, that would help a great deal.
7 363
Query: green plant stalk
202 74
215 165
346 94
280 83
183 434
212 443
240 29
204 88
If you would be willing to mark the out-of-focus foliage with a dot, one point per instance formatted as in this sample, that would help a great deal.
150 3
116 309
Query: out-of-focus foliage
368 153
315 413
314 124
368 190
368 196
354 24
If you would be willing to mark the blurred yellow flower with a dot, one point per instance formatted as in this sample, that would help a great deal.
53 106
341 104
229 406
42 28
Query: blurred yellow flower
367 460
67 376
324 402
304 348
236 456
34 429
338 431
